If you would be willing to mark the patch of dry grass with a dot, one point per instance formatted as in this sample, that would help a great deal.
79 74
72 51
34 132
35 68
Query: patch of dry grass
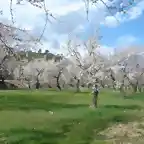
130 133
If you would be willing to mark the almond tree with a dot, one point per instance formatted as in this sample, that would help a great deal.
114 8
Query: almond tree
39 72
89 63
77 75
7 38
7 66
57 73
129 69
58 78
10 43
33 72
137 78
3 72
42 71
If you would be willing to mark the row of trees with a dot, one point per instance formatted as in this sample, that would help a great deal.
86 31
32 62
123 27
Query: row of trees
75 70
20 66
117 71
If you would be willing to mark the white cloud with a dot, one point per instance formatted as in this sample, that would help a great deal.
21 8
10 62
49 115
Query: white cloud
32 18
110 21
132 13
62 10
74 22
122 43
126 40
71 18
106 50
26 14
136 11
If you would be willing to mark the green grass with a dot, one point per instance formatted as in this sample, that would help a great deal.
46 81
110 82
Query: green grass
25 116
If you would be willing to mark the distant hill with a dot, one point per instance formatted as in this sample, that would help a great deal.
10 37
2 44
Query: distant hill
36 55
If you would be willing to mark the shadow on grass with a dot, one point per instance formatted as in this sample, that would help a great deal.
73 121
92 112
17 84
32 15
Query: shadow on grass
35 137
124 107
38 106
137 96
52 135
68 131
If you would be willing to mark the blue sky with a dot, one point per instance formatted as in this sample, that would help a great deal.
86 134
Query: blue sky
71 19
133 28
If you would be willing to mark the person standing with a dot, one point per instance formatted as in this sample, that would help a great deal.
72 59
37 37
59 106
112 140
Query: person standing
95 92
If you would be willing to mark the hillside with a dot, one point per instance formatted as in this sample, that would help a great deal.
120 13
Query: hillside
36 55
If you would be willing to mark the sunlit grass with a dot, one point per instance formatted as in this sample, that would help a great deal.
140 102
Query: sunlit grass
52 117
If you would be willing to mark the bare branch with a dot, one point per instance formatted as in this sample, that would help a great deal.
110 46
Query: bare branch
11 11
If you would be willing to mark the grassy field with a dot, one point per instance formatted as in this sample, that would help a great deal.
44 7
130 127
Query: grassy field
50 117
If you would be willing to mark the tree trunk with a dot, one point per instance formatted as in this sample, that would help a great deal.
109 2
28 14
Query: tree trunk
37 84
95 99
64 85
122 90
135 87
114 86
2 83
57 80
78 86
102 84
58 84
89 85
49 86
139 87
29 86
